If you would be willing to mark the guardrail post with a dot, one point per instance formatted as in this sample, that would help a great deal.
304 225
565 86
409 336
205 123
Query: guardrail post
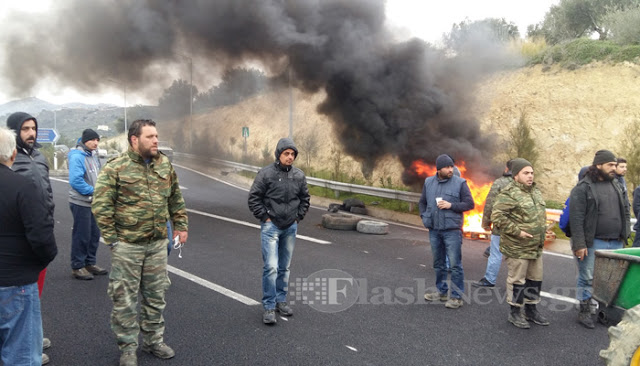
336 193
410 206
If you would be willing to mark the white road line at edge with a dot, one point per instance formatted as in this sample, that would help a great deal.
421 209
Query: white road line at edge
255 226
212 286
558 297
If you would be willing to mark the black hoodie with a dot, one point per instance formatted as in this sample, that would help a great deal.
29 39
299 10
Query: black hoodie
30 163
280 192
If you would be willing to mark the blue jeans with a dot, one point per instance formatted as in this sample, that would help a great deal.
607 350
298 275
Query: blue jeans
20 326
447 243
636 241
585 267
85 237
494 261
277 249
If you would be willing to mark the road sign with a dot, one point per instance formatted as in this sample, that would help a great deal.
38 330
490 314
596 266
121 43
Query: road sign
47 135
245 131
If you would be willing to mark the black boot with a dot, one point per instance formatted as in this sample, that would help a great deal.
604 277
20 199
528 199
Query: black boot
516 318
532 314
584 316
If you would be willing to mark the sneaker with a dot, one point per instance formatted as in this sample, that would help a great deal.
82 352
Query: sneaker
46 343
453 303
128 358
82 274
269 316
487 252
435 296
160 350
483 283
284 309
96 270
533 315
518 320
45 359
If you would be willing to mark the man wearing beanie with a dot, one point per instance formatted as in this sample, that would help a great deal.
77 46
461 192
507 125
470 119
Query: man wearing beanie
520 216
445 197
84 166
599 219
31 164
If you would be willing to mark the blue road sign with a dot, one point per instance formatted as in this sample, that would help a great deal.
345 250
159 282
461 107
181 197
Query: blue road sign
47 135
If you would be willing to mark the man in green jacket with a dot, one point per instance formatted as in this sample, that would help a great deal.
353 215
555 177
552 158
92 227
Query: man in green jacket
135 195
520 216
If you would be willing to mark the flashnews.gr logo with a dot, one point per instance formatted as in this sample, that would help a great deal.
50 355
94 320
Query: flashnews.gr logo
327 290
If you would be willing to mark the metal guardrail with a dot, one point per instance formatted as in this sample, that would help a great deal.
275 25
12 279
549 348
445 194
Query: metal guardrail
411 197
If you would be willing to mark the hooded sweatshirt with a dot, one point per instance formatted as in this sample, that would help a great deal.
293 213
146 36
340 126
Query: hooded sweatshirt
84 166
30 163
280 192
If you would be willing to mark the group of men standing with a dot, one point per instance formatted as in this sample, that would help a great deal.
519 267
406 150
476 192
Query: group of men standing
515 213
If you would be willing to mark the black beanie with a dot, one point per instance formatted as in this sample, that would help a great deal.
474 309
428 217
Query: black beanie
518 164
443 161
89 134
603 157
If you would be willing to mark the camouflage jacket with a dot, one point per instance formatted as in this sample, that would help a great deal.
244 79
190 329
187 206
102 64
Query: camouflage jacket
496 187
133 201
520 208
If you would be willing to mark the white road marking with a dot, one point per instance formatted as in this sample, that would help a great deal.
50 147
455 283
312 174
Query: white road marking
558 297
352 348
255 226
211 177
212 286
558 254
284 318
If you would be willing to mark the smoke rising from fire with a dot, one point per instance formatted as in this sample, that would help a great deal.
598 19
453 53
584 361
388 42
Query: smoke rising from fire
405 99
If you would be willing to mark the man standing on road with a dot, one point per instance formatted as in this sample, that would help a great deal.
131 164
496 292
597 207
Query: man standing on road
84 166
599 219
31 164
279 198
445 197
136 193
520 216
28 246
621 171
495 257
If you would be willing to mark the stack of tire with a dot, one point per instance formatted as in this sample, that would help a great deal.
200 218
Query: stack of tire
343 221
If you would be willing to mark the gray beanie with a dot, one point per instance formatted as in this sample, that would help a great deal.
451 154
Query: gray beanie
603 157
518 164
443 161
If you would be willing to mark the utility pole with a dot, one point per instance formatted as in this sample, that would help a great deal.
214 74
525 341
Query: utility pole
190 127
290 106
124 88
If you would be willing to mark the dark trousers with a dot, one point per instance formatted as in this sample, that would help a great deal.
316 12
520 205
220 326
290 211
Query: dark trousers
85 237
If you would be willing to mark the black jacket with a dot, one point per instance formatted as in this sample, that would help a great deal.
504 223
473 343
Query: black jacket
26 235
30 162
636 208
583 213
280 193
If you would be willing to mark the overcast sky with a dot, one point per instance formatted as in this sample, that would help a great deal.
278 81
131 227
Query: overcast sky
426 19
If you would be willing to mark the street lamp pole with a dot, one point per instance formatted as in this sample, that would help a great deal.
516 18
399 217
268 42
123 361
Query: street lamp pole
190 97
290 106
124 88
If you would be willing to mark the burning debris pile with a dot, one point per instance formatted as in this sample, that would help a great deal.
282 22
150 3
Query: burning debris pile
385 98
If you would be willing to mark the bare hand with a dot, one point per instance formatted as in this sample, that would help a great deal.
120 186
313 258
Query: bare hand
581 253
182 236
444 205
525 235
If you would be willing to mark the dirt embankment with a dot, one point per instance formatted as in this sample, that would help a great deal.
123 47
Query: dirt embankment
573 113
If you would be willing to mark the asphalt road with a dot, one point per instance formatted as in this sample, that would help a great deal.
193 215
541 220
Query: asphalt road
213 316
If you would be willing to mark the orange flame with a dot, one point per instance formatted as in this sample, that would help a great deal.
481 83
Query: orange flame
479 192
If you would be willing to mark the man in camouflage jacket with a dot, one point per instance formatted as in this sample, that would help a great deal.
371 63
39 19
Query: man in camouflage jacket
135 195
520 216
494 256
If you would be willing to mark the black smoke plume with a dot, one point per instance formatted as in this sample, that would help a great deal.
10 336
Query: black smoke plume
404 99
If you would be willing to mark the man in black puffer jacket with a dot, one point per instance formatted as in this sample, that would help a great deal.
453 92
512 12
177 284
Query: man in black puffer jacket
279 198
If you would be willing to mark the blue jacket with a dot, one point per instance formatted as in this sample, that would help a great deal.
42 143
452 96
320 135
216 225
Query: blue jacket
84 166
454 190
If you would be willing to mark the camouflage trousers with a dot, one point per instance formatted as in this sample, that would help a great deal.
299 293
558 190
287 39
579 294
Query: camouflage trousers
138 268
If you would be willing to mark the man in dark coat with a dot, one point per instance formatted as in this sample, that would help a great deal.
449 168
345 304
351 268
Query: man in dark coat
28 246
599 219
279 198
445 197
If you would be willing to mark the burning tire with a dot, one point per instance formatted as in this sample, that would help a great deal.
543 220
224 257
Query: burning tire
372 227
624 347
339 221
359 210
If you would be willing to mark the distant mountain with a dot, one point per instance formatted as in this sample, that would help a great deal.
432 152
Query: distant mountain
33 106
